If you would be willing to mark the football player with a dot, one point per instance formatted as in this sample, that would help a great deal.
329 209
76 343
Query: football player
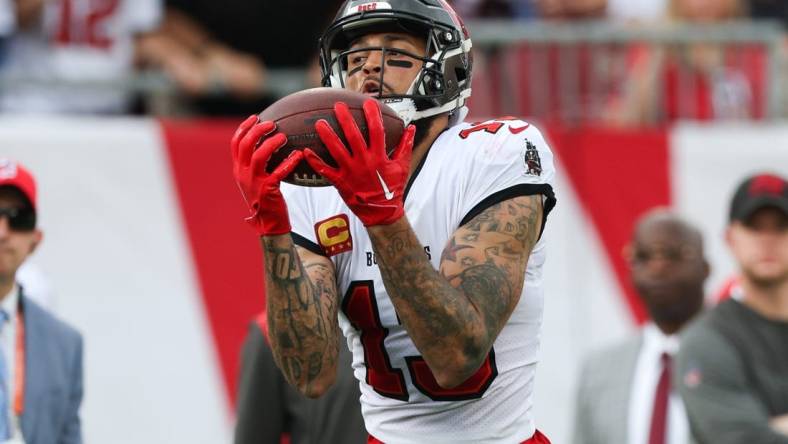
430 258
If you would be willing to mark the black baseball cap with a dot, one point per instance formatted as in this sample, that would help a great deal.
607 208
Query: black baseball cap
759 191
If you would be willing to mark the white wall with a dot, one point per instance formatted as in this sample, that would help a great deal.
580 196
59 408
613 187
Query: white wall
116 254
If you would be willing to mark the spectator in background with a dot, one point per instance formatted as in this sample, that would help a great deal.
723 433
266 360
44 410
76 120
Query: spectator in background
518 9
41 404
74 56
625 394
201 66
571 9
269 407
770 10
732 370
700 81
514 9
208 46
640 11
7 23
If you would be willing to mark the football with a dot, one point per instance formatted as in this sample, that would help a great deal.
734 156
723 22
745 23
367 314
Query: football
296 114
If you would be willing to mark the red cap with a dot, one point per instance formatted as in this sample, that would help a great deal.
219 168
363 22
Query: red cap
12 173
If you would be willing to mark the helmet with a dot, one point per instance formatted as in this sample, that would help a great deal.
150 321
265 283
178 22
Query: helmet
444 81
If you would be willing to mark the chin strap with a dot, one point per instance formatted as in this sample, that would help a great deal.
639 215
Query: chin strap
406 109
458 116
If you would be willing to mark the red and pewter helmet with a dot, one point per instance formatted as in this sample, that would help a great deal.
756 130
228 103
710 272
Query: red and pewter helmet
444 82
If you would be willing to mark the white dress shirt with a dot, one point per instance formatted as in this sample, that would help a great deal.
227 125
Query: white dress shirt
644 387
36 285
9 304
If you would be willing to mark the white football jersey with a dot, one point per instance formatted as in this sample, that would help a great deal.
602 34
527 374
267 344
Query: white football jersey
469 168
76 41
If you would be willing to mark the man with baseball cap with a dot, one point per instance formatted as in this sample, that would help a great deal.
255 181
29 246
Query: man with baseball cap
732 369
40 355
758 192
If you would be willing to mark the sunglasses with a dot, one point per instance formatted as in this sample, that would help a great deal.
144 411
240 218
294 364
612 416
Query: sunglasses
19 219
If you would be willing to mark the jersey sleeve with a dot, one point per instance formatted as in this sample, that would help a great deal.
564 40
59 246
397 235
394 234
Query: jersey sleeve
514 161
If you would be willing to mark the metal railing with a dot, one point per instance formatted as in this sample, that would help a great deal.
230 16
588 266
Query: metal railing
520 64
573 43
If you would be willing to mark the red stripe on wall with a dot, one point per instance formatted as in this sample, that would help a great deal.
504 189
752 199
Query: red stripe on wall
226 252
617 176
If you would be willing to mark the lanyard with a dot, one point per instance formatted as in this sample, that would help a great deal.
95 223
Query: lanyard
19 365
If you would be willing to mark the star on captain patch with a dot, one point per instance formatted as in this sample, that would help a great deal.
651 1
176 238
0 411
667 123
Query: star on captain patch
533 165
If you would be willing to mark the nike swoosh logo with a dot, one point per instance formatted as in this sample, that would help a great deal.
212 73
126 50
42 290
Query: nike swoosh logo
386 192
519 130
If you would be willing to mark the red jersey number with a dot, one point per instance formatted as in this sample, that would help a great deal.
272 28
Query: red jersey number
493 126
88 28
361 309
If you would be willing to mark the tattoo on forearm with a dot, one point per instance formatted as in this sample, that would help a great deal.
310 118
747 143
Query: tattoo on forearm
302 314
484 261
487 284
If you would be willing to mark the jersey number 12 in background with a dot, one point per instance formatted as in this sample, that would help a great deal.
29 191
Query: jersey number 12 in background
85 27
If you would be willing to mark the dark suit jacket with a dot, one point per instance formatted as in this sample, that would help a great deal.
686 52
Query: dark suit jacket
603 394
268 406
53 378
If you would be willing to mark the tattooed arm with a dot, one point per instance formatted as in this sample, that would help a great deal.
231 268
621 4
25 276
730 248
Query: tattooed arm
301 298
455 314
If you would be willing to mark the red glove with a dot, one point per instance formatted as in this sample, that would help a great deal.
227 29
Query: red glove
370 183
259 189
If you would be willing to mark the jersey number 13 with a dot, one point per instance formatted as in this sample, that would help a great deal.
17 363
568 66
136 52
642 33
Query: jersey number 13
361 309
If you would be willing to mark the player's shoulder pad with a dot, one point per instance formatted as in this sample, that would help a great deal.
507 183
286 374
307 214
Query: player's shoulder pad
495 134
502 140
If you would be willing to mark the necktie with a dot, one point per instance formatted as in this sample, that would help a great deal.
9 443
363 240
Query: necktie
659 415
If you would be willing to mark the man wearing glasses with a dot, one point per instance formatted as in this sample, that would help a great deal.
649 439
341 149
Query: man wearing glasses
40 356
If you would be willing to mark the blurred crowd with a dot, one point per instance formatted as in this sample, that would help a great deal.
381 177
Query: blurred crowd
177 57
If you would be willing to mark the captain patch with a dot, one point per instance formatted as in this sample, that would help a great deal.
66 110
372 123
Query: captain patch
333 235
